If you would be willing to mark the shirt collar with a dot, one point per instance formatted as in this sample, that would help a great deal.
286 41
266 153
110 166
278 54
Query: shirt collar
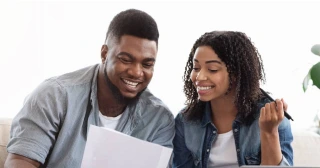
206 119
94 82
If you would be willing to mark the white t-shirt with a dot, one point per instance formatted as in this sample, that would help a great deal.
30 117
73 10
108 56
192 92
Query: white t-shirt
109 122
223 152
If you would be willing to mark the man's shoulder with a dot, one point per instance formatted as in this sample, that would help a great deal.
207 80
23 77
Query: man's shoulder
78 77
148 98
58 85
154 103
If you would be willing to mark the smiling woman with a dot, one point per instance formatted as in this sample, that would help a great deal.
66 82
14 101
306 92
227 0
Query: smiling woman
43 39
226 116
209 73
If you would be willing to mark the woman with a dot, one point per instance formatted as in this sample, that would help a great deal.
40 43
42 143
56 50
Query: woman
228 122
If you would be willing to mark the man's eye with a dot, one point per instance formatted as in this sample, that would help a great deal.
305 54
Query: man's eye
124 60
148 65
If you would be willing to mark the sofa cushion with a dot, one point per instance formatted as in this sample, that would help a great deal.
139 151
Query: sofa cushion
306 148
5 125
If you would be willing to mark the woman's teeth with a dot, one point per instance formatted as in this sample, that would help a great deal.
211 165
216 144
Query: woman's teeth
203 88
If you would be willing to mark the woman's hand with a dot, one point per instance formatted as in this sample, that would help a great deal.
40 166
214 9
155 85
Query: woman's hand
271 115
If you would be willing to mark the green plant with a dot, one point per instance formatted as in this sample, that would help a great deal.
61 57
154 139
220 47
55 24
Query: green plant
314 72
314 75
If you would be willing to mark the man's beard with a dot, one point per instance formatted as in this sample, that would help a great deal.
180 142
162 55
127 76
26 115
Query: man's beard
116 92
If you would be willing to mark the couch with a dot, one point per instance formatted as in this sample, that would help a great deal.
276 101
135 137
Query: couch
5 124
306 145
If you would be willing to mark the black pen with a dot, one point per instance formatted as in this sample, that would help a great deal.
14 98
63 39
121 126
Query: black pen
270 98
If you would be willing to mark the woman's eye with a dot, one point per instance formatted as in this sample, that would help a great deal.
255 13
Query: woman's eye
213 70
196 69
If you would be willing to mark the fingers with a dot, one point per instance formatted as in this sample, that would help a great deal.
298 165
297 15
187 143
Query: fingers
285 105
272 111
279 108
267 115
271 115
262 113
269 111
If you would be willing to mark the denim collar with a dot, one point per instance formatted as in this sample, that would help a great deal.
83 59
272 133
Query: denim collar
206 119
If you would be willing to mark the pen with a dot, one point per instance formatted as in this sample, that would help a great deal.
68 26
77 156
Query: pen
270 98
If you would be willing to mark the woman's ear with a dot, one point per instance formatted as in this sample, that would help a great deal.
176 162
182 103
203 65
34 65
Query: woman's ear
104 51
233 80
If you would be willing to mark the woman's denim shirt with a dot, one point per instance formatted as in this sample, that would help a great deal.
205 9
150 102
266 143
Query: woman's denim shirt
193 141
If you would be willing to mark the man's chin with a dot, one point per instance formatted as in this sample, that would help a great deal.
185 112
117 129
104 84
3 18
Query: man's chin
130 97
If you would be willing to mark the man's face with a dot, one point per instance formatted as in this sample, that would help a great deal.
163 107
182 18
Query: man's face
130 64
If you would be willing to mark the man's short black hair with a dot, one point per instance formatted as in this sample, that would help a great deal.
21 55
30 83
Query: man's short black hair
133 22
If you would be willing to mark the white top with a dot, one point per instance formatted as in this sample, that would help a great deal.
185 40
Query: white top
109 122
223 152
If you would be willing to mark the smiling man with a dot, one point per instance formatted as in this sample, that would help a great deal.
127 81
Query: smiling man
51 128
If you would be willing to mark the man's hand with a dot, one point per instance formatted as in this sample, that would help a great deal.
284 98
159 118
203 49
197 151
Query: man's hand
18 161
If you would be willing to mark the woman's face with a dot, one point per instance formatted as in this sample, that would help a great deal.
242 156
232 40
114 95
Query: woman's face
209 75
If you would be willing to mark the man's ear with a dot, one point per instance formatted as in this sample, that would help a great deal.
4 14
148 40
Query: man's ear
104 51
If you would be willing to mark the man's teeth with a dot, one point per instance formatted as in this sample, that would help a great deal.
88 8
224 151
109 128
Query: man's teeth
134 84
203 88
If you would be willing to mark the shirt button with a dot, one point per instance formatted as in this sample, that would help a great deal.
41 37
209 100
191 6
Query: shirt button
214 132
238 150
235 130
208 150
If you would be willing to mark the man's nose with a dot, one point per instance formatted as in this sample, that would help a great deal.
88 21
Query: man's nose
136 71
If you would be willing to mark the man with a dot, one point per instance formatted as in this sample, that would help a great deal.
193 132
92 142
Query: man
51 128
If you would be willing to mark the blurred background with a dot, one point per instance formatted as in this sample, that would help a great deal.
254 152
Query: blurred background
41 39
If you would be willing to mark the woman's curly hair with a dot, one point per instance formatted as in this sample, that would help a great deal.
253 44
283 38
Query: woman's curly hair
243 63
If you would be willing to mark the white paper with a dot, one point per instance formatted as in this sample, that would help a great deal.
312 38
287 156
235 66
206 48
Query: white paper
106 148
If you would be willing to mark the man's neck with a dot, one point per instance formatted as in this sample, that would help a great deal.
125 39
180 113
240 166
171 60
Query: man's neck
108 105
112 111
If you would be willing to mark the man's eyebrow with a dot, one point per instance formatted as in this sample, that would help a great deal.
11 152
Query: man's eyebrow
126 54
132 57
210 61
149 60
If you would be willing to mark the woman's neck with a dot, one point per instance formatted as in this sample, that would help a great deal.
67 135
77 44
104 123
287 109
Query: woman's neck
224 112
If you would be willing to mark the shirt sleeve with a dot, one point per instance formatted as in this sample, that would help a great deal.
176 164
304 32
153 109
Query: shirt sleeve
166 133
35 128
286 138
182 157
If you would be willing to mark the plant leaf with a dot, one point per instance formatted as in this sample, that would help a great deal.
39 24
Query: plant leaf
306 80
316 49
315 74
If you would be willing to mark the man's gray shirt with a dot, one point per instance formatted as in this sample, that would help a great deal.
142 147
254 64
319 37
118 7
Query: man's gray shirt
52 125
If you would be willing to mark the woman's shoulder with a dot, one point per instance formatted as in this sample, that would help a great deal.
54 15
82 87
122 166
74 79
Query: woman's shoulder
181 115
182 118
